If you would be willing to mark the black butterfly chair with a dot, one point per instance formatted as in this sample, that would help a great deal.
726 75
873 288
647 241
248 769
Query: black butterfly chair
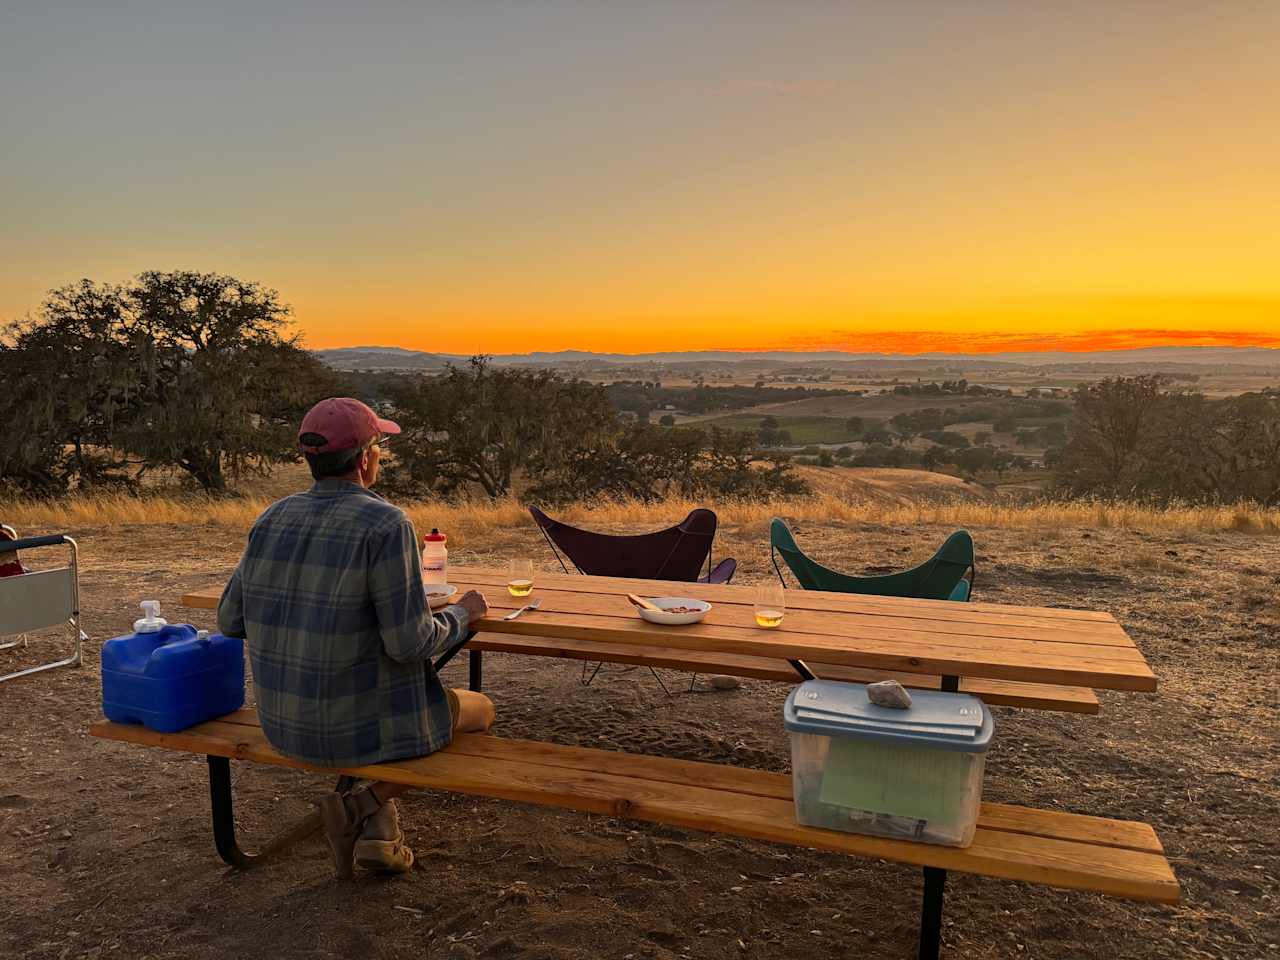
677 553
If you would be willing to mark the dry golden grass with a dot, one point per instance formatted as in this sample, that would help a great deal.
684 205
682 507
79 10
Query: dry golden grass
465 520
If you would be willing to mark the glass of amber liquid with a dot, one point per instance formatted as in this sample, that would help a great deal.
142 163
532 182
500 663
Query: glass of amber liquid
520 578
771 604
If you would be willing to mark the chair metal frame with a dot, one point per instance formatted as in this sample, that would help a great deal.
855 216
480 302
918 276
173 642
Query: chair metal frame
12 544
712 568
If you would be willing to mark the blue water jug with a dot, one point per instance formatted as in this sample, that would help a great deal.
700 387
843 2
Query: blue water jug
170 677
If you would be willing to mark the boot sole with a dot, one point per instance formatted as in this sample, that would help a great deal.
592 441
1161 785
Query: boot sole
384 856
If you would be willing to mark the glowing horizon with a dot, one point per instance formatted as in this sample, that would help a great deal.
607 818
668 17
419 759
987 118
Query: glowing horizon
868 176
908 343
1100 324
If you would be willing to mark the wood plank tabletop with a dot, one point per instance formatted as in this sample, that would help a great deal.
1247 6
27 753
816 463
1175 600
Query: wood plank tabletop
1030 644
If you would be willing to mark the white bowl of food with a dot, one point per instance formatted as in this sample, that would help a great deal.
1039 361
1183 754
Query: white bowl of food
675 610
438 593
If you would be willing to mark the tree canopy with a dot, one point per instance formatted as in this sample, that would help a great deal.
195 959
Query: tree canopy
480 428
1134 437
477 424
184 369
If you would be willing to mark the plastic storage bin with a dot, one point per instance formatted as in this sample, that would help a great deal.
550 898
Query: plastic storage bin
171 677
913 774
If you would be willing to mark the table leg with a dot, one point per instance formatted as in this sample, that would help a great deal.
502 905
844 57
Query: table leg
224 815
802 668
476 669
931 913
224 820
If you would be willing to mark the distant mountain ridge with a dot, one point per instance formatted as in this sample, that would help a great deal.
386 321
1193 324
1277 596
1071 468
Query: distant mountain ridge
392 358
381 358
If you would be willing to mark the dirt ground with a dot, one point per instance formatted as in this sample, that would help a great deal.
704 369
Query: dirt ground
105 849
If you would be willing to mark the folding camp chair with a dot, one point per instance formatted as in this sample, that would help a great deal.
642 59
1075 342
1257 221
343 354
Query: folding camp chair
35 600
947 575
10 567
676 553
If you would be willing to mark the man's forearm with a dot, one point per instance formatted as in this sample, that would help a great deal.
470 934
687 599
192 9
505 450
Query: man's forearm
455 628
429 635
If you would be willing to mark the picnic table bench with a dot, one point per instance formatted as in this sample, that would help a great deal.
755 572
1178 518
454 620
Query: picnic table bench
1115 857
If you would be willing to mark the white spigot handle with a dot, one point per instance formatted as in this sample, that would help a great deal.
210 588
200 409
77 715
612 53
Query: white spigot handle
151 621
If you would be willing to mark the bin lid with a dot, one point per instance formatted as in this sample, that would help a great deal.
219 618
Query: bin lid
941 721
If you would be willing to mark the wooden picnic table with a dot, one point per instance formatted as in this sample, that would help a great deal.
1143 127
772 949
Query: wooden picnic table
994 642
982 640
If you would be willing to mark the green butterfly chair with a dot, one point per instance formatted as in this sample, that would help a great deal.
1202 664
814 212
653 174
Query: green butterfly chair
947 575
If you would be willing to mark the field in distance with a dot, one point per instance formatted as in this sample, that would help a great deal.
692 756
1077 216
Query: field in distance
841 495
842 406
826 420
891 485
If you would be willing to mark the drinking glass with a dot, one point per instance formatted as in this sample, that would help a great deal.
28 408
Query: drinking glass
771 604
520 578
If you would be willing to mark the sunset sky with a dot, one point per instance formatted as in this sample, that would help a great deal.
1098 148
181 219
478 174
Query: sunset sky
634 176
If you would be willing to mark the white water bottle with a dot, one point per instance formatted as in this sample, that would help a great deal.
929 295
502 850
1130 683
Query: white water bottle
435 558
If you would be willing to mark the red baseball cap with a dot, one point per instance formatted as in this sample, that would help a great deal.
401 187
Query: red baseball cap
341 423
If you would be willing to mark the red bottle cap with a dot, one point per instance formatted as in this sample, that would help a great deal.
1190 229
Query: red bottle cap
435 536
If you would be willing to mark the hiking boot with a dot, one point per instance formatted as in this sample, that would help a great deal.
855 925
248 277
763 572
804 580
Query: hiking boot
343 815
381 847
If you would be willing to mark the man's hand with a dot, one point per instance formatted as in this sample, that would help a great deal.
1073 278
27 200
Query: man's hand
474 603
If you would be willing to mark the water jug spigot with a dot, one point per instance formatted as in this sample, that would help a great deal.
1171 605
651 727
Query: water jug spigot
151 621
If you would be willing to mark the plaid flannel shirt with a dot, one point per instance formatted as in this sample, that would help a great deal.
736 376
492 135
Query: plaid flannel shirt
329 597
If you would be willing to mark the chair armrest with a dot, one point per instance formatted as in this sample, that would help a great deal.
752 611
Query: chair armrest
30 543
723 571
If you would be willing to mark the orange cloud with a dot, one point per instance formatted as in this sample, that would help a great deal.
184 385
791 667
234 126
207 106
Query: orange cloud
918 341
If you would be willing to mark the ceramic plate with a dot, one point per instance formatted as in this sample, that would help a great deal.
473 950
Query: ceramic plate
699 609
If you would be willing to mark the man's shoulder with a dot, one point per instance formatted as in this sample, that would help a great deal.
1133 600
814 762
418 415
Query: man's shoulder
368 505
285 506
361 507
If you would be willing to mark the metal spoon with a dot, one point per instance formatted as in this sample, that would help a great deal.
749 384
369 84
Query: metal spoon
531 605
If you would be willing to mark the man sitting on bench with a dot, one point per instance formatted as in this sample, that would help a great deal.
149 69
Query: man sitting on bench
329 595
